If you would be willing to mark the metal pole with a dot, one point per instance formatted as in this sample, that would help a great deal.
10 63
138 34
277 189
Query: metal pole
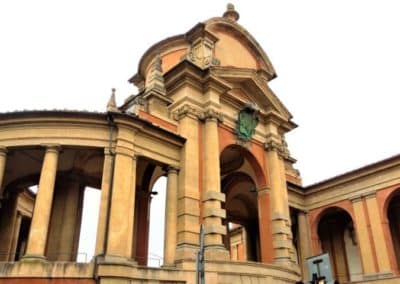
200 259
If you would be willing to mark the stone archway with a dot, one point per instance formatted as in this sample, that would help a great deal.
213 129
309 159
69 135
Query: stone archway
241 217
393 216
337 236
241 180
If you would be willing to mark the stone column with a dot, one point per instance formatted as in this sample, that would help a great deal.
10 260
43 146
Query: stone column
141 227
304 242
44 198
281 231
104 202
16 231
265 230
72 220
364 241
171 209
120 228
189 184
3 158
212 196
378 235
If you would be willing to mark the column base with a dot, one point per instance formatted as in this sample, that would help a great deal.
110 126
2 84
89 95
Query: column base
115 259
168 266
34 257
283 261
378 275
186 252
216 252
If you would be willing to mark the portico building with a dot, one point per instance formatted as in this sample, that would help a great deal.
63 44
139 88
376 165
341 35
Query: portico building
206 119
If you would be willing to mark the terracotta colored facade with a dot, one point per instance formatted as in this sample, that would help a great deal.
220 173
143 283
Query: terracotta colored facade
206 119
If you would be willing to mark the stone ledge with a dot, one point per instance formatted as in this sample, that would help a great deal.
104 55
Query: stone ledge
39 268
213 195
214 212
214 229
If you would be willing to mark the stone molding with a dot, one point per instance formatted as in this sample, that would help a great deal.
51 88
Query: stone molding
367 195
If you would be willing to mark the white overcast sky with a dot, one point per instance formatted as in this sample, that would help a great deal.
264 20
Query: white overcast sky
337 64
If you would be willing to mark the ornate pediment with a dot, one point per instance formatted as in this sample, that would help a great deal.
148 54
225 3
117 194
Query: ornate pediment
249 87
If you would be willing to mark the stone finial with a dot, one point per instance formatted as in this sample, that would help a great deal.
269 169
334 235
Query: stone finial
156 79
231 13
112 105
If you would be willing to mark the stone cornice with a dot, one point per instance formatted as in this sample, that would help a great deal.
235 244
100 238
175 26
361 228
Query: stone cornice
360 173
184 73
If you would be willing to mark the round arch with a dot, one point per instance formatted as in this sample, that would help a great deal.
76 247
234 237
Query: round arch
337 236
391 212
393 192
241 220
316 215
233 157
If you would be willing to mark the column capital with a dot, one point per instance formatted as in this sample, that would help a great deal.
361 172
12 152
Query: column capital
302 212
273 143
186 110
3 150
369 195
52 147
272 146
172 169
355 199
126 152
108 151
212 115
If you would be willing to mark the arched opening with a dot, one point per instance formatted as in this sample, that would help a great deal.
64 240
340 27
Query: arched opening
89 223
337 237
393 214
77 170
157 223
295 234
148 229
15 220
239 183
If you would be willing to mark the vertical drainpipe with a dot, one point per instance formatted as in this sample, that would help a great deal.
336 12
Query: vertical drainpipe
111 125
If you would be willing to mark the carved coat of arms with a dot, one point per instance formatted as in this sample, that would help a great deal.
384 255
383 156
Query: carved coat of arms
247 122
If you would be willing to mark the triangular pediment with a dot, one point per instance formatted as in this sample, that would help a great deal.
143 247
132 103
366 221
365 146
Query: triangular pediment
249 87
